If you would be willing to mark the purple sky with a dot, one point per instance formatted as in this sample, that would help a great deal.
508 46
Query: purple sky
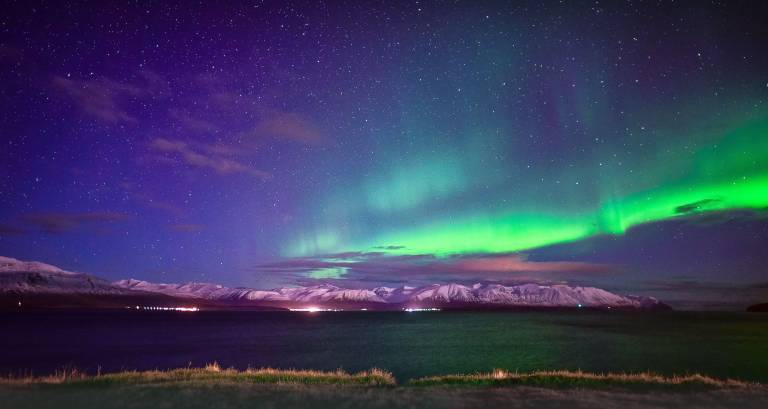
293 143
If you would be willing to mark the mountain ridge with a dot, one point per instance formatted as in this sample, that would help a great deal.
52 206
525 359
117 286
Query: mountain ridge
445 295
22 280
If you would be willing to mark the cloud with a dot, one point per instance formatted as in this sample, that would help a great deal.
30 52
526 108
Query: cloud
104 98
132 189
691 293
9 230
186 227
692 284
153 203
65 222
518 263
424 268
696 206
289 126
98 98
205 156
221 106
190 122
723 216
10 55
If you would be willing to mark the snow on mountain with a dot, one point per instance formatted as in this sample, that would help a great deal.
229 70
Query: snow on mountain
446 293
320 293
261 295
188 290
13 265
329 293
26 277
554 295
394 295
23 277
526 295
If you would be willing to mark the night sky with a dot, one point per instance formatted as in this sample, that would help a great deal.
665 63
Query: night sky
616 144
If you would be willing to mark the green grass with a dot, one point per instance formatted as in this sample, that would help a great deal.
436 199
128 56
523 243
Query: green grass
578 379
212 374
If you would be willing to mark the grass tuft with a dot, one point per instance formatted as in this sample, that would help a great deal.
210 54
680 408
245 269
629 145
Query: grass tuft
579 379
214 367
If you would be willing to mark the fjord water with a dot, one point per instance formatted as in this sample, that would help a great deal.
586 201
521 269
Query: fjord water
410 345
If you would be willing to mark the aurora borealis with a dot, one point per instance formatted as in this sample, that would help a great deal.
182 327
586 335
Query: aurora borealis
618 144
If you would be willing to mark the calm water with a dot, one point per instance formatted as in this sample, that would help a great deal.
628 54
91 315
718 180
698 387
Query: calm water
408 344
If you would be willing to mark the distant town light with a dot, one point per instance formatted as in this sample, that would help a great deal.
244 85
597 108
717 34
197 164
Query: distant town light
156 308
420 309
314 309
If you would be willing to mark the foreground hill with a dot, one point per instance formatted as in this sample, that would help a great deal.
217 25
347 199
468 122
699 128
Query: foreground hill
217 387
763 307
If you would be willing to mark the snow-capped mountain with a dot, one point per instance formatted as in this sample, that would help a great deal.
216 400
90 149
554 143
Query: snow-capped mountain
24 277
31 284
8 265
314 294
446 293
527 295
188 290
20 279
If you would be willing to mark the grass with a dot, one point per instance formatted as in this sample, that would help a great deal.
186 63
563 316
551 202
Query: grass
211 374
215 387
191 395
579 379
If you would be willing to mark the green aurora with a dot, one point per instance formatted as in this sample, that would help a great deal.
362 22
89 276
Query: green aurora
727 174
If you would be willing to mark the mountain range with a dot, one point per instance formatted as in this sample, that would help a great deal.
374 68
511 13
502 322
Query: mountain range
40 284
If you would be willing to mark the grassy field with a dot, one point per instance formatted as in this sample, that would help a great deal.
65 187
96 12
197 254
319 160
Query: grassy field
211 374
215 387
577 379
